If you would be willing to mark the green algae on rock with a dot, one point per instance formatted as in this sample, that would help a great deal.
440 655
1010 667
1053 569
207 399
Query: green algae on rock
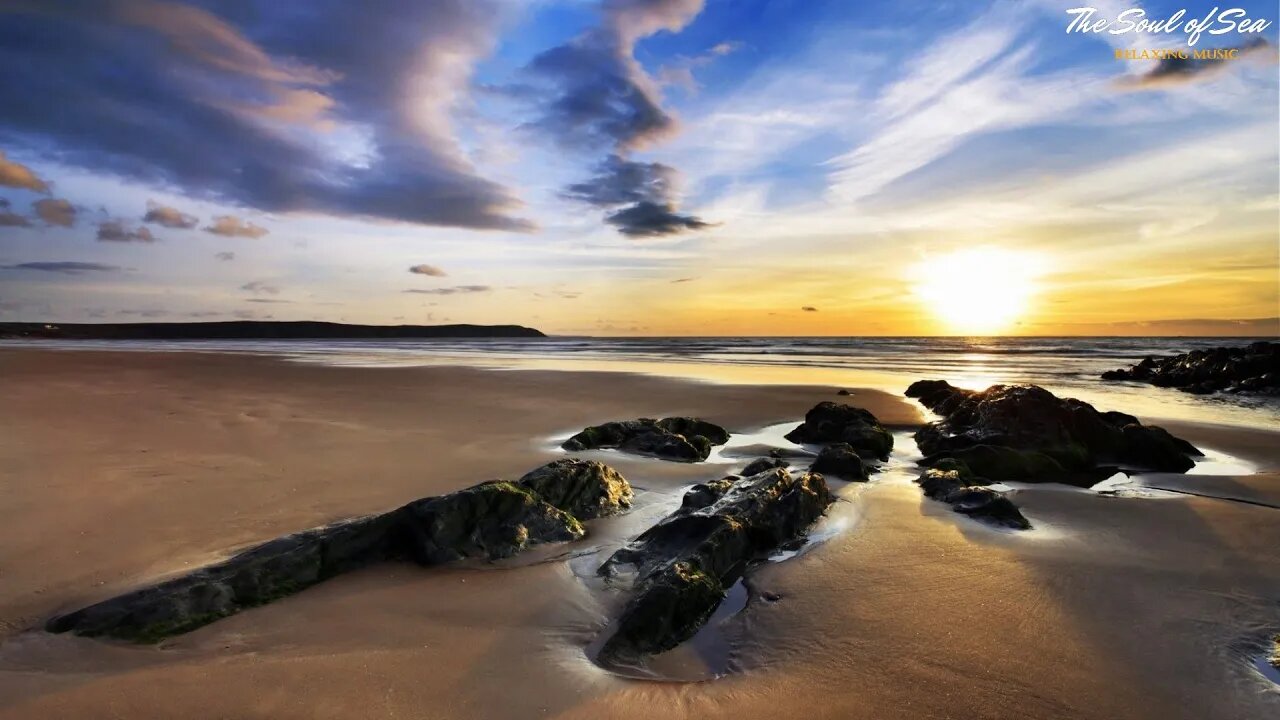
489 521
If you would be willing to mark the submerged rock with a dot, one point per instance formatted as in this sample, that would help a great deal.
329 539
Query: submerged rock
1254 368
585 488
489 521
1032 435
840 460
683 566
675 438
829 422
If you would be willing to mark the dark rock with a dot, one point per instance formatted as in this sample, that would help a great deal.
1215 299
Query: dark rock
829 422
1004 464
704 494
674 438
684 564
257 576
844 392
586 489
755 467
1043 428
839 459
1254 368
955 485
489 521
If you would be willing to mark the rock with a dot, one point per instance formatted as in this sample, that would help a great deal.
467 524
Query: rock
489 521
844 392
1254 368
675 438
839 459
955 485
257 576
1054 437
682 567
1274 657
704 494
755 467
1004 464
586 489
829 422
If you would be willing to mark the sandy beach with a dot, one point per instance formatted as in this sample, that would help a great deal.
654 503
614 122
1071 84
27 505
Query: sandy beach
119 469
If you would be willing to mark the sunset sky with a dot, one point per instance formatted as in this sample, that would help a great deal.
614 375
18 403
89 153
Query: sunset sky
636 167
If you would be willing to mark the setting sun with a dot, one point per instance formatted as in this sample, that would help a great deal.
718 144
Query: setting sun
981 290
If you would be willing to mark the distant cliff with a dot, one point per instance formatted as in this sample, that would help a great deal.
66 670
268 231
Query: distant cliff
255 330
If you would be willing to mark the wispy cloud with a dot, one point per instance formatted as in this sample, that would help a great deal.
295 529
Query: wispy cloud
232 226
118 231
63 267
455 290
169 217
429 270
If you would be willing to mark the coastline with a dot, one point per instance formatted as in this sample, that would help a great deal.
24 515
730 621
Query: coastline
121 468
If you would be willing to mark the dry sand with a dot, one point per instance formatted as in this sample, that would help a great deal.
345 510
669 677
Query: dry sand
119 468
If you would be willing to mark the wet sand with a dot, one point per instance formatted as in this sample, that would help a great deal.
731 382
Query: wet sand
120 468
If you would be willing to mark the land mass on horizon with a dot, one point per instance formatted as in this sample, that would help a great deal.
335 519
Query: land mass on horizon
255 330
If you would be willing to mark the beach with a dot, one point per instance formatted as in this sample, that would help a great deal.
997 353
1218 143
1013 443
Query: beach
123 468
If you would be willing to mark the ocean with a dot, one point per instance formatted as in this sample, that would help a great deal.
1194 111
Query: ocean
1066 366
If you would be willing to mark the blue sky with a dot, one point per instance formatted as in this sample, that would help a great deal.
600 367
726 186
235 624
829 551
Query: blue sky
629 166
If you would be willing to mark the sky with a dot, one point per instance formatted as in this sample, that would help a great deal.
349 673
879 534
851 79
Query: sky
639 167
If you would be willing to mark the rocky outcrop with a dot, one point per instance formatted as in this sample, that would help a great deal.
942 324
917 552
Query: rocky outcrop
829 422
954 483
584 488
675 438
840 460
681 568
1254 368
1026 433
489 521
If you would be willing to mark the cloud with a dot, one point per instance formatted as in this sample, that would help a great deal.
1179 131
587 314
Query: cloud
601 97
345 109
232 226
117 231
55 211
260 287
456 290
1173 70
168 217
269 300
12 219
66 268
16 175
649 219
682 280
225 256
425 269
809 308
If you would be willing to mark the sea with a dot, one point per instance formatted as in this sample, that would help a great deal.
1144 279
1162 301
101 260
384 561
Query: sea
1067 366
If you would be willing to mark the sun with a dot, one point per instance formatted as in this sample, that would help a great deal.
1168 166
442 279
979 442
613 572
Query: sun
978 291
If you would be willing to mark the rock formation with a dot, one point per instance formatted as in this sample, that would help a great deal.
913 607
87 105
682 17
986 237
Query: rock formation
681 568
489 521
680 439
1254 368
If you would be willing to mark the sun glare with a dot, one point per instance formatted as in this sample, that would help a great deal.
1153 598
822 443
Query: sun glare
979 291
